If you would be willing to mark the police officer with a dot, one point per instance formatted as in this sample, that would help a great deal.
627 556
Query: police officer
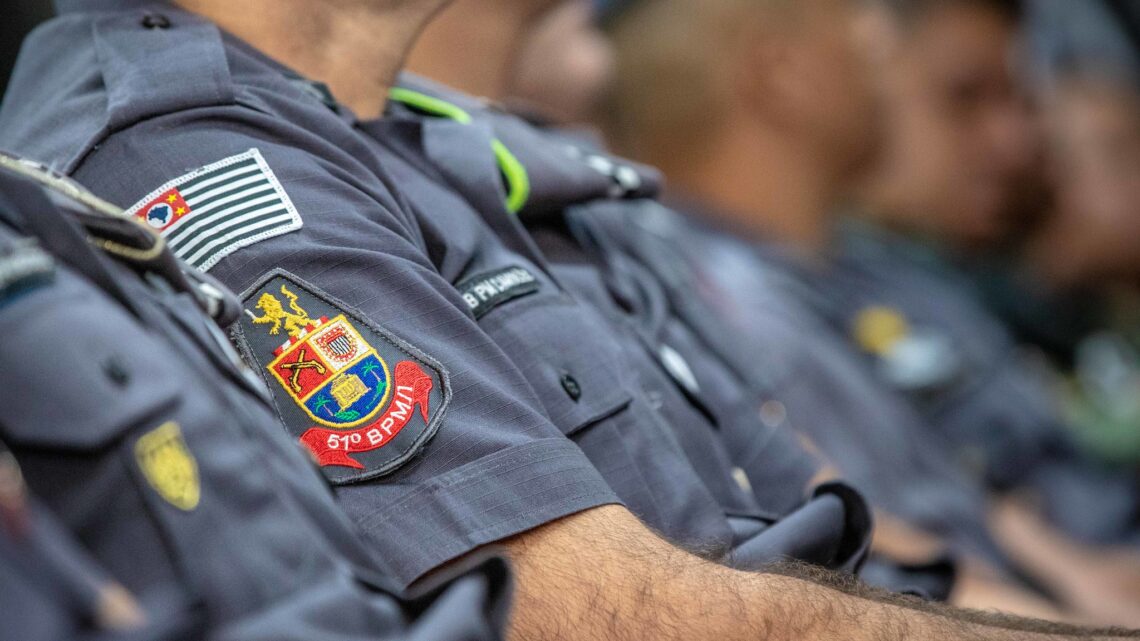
783 212
733 185
138 428
432 409
791 359
908 307
369 340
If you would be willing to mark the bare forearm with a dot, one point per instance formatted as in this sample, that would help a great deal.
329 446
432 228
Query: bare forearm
601 575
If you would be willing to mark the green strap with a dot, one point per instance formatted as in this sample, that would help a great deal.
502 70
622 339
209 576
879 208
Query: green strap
515 174
518 182
429 105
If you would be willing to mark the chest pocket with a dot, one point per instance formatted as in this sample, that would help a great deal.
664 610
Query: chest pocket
68 382
566 356
99 414
75 390
592 392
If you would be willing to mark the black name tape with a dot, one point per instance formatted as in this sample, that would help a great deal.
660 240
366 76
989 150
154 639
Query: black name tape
484 292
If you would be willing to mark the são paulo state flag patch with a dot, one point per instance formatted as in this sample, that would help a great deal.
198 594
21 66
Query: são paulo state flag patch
212 212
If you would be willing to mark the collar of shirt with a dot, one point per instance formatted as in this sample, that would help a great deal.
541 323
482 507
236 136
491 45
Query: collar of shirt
556 170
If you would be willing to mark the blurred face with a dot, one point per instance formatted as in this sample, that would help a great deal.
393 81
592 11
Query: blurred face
838 44
565 65
961 135
1096 151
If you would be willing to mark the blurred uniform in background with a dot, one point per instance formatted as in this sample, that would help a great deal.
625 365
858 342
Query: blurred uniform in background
1067 285
135 423
754 143
962 141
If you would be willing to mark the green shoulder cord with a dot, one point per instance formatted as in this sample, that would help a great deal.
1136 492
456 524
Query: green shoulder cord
514 173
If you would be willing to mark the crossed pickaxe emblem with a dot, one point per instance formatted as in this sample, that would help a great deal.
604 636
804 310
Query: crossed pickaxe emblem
301 364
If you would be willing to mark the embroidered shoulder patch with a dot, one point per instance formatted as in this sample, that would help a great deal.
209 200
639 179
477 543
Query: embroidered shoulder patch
214 211
361 400
169 467
486 291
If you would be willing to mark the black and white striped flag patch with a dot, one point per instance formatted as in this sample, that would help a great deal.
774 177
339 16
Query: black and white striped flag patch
212 212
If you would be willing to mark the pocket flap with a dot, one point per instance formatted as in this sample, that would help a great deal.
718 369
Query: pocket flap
76 372
573 366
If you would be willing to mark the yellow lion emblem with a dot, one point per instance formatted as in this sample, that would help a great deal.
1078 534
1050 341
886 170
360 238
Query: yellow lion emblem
274 312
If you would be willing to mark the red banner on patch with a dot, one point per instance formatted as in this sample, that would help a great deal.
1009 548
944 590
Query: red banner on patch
411 389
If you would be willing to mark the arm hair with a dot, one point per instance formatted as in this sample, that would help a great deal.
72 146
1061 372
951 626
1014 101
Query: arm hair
603 575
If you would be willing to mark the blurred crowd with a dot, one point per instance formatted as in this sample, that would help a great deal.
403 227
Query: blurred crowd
907 230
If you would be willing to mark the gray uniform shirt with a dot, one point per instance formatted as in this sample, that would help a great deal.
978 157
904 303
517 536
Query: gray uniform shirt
960 368
135 423
445 377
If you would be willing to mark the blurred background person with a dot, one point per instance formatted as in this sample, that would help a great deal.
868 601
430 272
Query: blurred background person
1068 283
962 142
433 58
564 67
765 135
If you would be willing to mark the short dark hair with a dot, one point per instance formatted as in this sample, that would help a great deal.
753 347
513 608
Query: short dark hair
916 9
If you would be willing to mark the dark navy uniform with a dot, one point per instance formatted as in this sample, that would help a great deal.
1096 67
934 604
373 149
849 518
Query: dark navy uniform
251 172
924 329
45 572
726 288
579 206
414 338
643 353
138 427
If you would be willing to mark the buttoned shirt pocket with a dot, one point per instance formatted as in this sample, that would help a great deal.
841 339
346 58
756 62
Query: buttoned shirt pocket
592 393
88 400
68 382
566 355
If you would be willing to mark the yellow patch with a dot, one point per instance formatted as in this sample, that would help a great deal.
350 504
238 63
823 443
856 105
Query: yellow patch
169 466
878 329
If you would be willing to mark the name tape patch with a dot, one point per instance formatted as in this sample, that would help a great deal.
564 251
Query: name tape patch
484 292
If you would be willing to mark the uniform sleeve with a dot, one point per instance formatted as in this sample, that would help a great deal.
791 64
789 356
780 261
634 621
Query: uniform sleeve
433 438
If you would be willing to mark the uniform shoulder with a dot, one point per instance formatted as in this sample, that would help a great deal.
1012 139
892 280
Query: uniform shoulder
83 76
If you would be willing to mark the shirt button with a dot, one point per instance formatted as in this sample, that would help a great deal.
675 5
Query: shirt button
572 388
156 21
117 372
773 414
679 369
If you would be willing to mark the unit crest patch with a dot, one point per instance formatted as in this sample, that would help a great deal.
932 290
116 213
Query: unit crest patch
362 401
